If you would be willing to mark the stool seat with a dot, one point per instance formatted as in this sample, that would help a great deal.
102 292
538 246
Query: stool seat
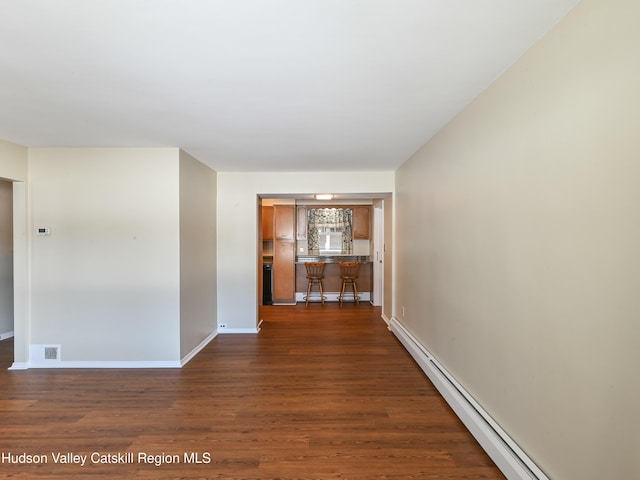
349 275
315 274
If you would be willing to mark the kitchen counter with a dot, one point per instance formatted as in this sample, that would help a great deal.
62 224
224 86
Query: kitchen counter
333 258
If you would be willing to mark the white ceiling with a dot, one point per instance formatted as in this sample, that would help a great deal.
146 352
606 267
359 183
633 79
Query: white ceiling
256 85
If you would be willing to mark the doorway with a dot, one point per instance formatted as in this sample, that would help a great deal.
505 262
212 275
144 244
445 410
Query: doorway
378 254
377 245
6 260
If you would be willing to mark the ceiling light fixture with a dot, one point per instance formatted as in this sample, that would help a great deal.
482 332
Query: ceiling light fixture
324 196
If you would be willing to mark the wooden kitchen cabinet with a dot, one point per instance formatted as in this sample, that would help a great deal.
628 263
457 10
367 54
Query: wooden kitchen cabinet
267 223
361 222
284 222
284 254
284 271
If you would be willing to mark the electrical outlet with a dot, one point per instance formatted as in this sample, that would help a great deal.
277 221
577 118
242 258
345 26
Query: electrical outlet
222 325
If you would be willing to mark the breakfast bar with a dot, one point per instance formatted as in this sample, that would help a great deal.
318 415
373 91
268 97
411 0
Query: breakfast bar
332 282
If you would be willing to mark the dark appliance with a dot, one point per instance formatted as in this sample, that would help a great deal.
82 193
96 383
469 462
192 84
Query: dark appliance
267 278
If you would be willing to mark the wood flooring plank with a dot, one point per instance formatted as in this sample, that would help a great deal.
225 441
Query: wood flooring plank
320 393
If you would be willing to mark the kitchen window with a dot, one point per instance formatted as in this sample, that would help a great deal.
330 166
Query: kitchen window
329 231
330 240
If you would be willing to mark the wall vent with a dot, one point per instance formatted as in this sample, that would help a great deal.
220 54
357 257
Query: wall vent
44 353
50 353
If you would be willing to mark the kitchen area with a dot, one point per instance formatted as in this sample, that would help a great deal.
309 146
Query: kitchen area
300 230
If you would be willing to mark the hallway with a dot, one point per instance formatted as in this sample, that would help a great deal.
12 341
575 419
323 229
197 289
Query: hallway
321 392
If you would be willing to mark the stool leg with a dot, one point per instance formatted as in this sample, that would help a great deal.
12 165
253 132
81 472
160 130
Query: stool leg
308 292
321 292
341 297
355 293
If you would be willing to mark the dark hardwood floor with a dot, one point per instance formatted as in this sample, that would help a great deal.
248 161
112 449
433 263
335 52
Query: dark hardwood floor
320 393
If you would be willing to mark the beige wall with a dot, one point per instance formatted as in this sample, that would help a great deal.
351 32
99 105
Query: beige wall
105 283
197 253
128 272
238 235
517 239
13 161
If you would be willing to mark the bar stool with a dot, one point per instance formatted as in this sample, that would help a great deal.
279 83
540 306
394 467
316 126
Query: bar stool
315 274
349 274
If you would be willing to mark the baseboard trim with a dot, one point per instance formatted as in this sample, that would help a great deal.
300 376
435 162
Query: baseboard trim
189 356
238 330
126 364
38 358
331 297
97 364
510 459
19 366
4 336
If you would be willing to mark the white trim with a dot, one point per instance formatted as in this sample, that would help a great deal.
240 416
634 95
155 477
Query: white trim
510 459
40 363
4 336
189 356
97 364
239 330
19 366
377 297
332 297
385 319
21 259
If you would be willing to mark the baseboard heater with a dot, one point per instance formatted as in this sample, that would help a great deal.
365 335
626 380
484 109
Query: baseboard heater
512 461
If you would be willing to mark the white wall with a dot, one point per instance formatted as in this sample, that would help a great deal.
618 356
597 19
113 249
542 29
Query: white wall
105 283
238 234
197 253
517 253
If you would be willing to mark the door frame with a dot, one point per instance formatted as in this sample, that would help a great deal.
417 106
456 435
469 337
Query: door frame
377 297
20 277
